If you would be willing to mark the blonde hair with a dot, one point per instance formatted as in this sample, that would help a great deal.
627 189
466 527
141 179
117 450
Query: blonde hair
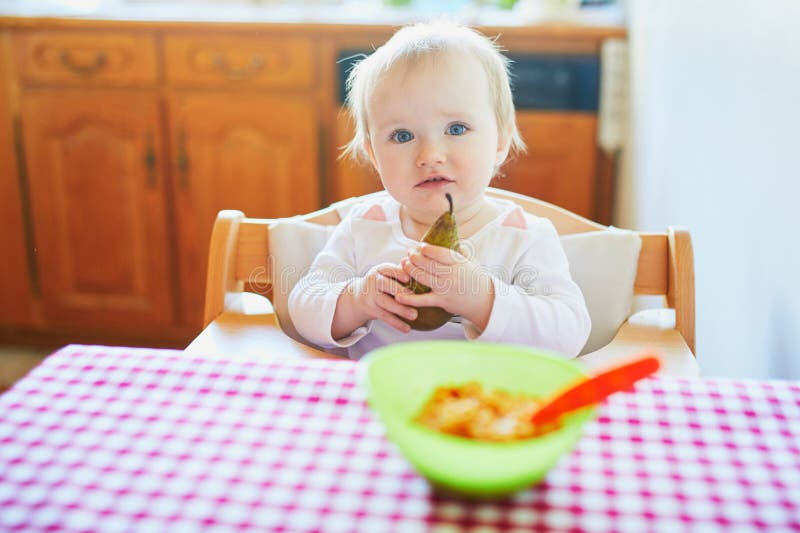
410 46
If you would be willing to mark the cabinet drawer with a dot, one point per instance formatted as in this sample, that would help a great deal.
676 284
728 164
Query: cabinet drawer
86 57
238 61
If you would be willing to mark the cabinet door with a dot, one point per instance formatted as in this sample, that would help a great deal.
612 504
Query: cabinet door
255 153
97 199
560 164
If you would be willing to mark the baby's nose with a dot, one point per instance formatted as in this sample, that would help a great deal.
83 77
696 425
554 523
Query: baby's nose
430 153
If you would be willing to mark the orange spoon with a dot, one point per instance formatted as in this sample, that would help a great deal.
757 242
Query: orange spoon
596 388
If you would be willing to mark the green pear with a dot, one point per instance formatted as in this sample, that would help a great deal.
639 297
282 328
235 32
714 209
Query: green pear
443 232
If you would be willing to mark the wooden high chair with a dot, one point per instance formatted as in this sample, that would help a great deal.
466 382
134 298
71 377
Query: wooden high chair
243 325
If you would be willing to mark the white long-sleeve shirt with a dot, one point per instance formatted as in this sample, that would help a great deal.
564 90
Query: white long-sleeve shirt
536 303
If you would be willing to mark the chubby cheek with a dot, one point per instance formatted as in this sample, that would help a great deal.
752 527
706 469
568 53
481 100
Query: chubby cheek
395 171
396 163
480 171
480 154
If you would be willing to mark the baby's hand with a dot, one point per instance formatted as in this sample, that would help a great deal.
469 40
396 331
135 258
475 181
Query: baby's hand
375 295
457 284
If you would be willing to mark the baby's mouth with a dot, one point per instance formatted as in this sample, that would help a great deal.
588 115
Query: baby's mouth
435 180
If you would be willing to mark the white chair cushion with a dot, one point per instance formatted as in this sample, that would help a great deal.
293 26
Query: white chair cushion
293 245
602 263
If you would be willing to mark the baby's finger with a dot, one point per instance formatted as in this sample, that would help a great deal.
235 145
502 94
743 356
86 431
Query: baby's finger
390 285
406 265
393 321
429 299
422 276
395 272
446 256
419 261
387 303
431 266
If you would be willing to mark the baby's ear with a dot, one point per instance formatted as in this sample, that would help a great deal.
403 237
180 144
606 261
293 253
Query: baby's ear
503 145
368 149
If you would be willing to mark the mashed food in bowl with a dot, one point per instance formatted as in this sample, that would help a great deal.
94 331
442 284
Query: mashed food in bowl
470 411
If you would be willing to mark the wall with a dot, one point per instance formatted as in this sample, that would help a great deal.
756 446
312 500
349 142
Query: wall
715 146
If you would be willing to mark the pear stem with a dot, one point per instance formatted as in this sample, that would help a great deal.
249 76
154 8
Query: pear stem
450 201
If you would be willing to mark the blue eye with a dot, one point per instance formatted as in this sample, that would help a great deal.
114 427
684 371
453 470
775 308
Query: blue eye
456 129
402 136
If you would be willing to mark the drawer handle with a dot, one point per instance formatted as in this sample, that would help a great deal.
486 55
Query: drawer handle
150 162
27 216
232 73
83 70
183 161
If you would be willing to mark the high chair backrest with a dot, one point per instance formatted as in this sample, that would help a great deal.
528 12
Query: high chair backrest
240 256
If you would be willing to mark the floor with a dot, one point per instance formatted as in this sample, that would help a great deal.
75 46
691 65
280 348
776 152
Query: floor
16 361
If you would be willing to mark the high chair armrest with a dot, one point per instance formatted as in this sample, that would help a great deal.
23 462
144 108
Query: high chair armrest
248 329
649 330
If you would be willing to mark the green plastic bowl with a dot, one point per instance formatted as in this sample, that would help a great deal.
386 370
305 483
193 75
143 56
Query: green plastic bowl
400 378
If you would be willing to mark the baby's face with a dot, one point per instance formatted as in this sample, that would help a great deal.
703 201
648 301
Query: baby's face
433 130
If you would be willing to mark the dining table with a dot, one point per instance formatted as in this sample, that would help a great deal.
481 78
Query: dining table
106 439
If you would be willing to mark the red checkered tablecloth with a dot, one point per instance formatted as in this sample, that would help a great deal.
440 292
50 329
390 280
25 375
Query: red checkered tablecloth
120 439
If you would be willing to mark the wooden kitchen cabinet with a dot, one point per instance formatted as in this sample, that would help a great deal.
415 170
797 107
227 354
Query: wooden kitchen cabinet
255 153
127 168
92 185
128 136
95 163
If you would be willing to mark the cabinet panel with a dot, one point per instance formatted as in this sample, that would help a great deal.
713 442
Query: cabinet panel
86 58
559 166
257 154
238 61
15 275
97 199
